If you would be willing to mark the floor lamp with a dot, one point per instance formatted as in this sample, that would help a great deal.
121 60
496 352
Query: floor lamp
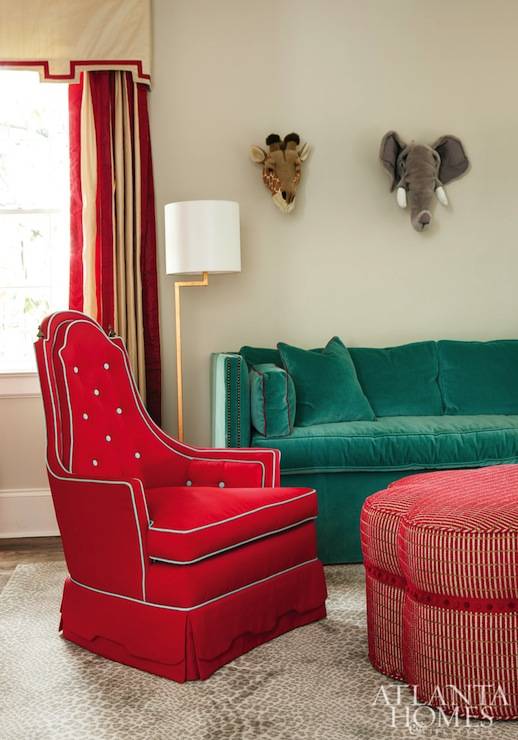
201 237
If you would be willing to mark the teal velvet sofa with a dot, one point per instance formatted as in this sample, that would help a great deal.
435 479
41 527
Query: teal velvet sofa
437 405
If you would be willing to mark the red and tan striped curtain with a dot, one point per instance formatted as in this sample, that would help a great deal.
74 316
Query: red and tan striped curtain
113 273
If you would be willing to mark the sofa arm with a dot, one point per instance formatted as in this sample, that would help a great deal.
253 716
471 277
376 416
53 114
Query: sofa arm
103 525
230 401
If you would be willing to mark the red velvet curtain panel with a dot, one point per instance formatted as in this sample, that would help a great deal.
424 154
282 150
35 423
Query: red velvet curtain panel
113 271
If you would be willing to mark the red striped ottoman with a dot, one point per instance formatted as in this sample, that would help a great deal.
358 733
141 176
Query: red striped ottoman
441 558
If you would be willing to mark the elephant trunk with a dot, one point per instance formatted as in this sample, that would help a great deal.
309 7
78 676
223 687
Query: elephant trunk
421 176
421 208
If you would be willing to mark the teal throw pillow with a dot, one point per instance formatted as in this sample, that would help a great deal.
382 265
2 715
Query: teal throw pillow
326 384
272 400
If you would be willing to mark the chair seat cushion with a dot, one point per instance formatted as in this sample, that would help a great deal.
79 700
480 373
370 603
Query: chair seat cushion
191 523
399 443
192 586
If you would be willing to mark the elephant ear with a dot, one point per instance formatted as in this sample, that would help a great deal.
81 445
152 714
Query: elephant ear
454 160
391 147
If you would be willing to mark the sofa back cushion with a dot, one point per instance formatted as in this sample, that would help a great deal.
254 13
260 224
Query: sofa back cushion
479 377
400 381
272 400
326 384
260 356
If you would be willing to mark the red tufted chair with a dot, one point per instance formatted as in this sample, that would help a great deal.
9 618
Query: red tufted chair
180 558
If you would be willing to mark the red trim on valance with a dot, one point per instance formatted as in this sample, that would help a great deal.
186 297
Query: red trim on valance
76 67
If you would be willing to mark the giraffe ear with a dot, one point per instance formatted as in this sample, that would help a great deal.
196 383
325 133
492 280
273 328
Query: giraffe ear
304 151
257 154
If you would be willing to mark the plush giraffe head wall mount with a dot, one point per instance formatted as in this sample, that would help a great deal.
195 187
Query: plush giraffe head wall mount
282 167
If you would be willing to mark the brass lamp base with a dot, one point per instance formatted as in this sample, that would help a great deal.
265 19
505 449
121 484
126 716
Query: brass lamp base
179 378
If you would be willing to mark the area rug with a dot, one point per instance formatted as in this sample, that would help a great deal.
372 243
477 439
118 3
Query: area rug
314 683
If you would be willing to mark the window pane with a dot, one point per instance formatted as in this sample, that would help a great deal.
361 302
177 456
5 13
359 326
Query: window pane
34 208
33 142
26 253
20 313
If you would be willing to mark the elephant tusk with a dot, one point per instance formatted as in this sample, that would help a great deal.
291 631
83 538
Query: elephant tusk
401 197
440 192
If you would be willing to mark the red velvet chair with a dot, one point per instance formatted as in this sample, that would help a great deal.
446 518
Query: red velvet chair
180 558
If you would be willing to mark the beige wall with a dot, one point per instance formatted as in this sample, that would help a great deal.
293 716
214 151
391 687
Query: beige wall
341 73
22 448
346 261
25 504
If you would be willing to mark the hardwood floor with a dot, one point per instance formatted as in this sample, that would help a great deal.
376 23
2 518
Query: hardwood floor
27 550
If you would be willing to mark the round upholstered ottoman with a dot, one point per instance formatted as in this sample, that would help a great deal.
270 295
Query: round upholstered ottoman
458 551
441 558
385 583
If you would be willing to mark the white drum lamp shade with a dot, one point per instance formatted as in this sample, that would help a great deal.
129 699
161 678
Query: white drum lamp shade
202 236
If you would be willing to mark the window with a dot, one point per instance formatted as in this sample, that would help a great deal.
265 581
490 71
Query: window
34 211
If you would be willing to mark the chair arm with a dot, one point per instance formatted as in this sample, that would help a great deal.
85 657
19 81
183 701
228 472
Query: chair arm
103 525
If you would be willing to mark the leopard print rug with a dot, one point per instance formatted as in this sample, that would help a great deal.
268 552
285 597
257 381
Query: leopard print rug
314 683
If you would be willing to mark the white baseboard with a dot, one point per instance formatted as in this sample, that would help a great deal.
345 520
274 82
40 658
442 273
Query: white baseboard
27 513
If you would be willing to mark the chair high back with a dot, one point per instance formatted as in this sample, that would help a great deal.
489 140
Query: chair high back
96 423
160 560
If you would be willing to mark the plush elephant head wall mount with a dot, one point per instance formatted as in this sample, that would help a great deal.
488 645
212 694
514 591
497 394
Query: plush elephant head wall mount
282 167
418 171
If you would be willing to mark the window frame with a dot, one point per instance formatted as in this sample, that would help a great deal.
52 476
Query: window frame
21 384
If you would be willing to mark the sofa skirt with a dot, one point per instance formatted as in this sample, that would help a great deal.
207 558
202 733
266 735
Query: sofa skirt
340 500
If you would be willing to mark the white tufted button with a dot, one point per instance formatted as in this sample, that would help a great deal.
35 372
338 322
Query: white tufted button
76 369
85 417
189 483
95 463
221 484
119 410
137 455
106 366
96 392
108 438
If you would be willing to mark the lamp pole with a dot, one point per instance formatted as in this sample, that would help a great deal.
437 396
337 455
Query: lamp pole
179 374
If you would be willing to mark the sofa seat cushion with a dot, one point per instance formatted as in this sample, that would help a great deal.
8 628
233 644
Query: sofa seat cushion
192 523
399 443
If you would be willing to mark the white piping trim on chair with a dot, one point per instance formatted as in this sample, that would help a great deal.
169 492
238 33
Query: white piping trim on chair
143 417
232 547
51 393
71 449
236 516
145 500
46 340
204 603
137 523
